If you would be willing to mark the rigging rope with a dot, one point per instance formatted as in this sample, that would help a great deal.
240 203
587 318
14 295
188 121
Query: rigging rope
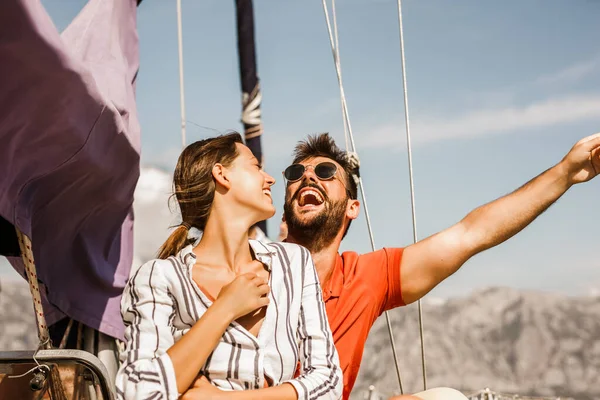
334 41
338 63
350 139
181 93
410 174
31 274
42 371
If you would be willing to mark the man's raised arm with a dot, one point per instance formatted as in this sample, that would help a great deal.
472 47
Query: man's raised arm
430 261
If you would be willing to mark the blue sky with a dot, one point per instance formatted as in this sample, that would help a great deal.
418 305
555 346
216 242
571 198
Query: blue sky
498 92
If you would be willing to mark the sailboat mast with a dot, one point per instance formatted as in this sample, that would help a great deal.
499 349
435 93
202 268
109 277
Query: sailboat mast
251 93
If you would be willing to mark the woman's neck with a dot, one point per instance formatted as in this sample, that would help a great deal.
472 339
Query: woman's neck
224 242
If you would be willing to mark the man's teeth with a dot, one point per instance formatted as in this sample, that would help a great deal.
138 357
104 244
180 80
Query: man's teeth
313 193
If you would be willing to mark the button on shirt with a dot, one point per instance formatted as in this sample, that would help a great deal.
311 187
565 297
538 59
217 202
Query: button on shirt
162 302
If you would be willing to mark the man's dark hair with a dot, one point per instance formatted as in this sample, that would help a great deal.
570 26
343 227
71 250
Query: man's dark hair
323 145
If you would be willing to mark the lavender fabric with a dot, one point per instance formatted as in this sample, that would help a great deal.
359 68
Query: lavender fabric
70 151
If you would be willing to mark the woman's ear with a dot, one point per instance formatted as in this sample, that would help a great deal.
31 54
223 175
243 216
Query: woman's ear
219 173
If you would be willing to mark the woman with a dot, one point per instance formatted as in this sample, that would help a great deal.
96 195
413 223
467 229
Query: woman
246 316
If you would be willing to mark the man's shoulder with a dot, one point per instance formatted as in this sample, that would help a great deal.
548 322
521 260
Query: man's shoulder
350 256
352 259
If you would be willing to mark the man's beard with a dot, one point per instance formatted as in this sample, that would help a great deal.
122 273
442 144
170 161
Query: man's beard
318 232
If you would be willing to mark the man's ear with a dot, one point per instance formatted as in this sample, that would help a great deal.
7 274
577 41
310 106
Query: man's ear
219 173
353 209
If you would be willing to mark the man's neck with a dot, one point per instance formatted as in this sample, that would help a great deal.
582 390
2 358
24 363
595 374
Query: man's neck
323 259
325 263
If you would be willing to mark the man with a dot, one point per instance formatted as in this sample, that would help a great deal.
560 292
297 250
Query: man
321 202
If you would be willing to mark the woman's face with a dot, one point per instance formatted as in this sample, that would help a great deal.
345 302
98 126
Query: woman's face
250 185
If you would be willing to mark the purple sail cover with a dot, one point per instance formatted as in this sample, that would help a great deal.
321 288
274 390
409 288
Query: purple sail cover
70 151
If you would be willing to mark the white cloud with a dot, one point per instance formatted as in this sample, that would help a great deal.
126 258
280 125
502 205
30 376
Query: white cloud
7 271
511 91
153 185
153 213
500 116
487 121
570 74
165 157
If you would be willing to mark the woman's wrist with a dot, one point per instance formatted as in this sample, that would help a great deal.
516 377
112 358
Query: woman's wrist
222 309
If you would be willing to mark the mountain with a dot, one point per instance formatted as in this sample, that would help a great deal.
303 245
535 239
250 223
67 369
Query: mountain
528 343
17 321
512 341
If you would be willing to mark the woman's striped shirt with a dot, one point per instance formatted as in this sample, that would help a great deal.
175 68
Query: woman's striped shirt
161 303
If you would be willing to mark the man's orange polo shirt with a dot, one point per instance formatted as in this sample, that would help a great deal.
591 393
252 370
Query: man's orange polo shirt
360 289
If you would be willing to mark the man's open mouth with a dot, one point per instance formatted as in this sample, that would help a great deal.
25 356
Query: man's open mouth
310 197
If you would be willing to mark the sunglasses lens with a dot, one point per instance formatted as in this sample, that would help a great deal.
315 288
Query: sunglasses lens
294 172
325 170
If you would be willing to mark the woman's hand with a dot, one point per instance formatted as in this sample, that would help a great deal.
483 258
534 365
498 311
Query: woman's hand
202 389
243 295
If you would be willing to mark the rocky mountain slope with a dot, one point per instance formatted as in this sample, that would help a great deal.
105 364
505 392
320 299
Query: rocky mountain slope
513 341
17 320
508 340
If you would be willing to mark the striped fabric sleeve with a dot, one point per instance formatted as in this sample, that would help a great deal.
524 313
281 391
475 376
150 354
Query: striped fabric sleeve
321 375
146 370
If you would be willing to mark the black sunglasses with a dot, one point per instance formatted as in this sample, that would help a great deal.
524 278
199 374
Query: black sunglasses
324 171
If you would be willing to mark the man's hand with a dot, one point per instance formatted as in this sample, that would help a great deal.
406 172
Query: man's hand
202 389
582 163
